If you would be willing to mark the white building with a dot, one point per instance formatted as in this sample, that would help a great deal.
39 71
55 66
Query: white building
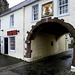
35 29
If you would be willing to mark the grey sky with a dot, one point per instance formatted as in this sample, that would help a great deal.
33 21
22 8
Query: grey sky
14 2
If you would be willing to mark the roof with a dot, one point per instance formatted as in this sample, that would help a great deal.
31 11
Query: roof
20 5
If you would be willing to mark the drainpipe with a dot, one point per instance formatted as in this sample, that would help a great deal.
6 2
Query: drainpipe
73 61
23 31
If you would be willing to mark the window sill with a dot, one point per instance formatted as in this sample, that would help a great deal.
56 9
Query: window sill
67 14
34 21
12 50
11 27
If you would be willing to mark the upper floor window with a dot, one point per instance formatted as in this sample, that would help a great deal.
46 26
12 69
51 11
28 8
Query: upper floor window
12 20
0 23
63 7
35 12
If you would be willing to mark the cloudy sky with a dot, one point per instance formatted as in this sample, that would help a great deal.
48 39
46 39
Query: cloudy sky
14 2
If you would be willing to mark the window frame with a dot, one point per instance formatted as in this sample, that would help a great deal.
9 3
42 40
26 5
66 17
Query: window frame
11 21
9 44
32 19
0 24
58 10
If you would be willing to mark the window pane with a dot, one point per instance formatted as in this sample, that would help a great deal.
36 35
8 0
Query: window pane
12 43
63 6
12 20
0 24
66 1
61 12
63 1
65 9
60 2
35 16
35 12
0 40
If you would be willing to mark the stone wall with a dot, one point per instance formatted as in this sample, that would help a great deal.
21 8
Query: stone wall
41 47
3 6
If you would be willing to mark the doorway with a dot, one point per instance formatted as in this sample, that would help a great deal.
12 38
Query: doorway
5 45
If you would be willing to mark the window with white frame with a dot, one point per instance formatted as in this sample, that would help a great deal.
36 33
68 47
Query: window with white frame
12 20
0 41
12 43
0 23
35 12
63 7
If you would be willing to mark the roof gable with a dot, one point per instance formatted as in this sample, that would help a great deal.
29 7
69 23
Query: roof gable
18 6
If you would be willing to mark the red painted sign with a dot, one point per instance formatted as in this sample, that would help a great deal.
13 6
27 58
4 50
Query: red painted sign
14 32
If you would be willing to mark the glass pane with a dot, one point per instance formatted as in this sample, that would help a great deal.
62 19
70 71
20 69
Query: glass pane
63 1
35 12
35 16
61 10
0 40
12 43
66 10
63 6
60 2
12 20
0 24
66 1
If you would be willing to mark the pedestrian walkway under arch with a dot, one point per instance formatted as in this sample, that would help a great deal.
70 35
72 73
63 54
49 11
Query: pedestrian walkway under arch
46 29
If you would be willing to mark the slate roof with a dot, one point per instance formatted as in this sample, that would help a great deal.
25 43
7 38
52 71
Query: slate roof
20 5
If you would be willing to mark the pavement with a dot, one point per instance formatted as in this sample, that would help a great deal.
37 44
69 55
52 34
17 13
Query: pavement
58 64
6 60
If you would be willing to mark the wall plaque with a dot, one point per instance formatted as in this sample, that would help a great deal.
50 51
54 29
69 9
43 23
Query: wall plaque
14 32
47 9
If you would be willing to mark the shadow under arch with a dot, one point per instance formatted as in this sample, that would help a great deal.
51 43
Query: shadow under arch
36 28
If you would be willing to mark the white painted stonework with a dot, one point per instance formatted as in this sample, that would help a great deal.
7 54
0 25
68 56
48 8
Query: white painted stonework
72 69
23 23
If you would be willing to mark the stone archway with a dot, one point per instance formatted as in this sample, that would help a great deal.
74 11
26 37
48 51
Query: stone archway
32 34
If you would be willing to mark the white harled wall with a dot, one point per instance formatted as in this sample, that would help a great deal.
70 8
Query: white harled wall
29 23
18 25
24 24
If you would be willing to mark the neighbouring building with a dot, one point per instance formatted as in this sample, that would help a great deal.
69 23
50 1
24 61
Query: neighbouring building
4 5
36 29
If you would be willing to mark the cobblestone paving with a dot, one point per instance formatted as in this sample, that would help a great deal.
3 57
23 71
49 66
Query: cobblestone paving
6 60
6 70
54 65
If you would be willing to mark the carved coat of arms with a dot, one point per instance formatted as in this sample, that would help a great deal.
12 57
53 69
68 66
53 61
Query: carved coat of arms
47 9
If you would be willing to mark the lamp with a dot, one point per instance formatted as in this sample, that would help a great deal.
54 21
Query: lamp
2 30
18 31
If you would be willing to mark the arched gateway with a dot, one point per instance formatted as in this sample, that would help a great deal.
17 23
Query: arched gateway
55 26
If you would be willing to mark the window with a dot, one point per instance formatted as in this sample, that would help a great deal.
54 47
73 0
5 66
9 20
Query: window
0 24
63 7
51 43
35 12
11 20
0 42
12 43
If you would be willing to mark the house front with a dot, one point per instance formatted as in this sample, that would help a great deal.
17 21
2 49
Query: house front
35 29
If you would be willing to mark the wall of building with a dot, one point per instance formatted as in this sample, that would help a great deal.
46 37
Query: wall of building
62 43
41 47
67 18
18 25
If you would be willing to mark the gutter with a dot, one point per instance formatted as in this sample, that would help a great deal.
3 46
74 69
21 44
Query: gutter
23 31
19 6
